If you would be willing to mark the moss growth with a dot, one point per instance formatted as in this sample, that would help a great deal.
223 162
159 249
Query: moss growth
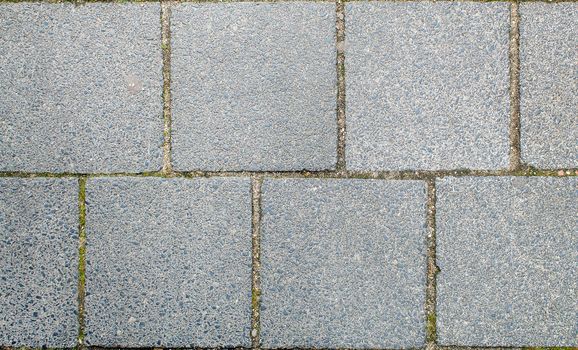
431 329
255 295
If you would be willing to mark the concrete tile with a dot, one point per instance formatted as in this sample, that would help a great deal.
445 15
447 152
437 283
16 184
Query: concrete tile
343 263
549 84
81 87
427 85
38 262
168 262
254 86
507 250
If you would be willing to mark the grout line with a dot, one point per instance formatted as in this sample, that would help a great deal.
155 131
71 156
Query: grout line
432 269
340 46
515 147
256 183
84 2
348 174
81 259
444 347
167 107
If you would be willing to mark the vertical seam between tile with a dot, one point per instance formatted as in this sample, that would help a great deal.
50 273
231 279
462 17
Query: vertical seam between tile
167 168
256 184
514 56
432 269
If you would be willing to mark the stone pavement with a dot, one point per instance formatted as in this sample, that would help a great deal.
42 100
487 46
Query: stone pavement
300 174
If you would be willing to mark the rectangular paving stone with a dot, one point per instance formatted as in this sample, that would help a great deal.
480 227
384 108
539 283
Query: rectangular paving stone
549 84
254 86
81 88
507 250
168 262
343 263
38 262
427 85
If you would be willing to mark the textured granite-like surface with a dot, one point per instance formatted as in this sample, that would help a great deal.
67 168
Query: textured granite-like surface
38 262
343 263
507 250
168 262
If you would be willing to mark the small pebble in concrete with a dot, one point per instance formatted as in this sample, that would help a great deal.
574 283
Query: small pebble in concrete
343 263
427 85
254 86
168 262
549 84
81 87
38 262
507 250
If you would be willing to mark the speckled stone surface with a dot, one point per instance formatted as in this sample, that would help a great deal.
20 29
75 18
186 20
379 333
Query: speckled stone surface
254 86
38 262
507 250
81 87
427 85
343 263
168 262
549 84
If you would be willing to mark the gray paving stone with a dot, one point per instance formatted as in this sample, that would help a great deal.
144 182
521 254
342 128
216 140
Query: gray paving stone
549 84
38 262
427 85
343 263
81 88
507 249
168 262
254 86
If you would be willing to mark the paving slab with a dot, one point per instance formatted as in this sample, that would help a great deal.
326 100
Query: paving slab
427 85
343 263
507 250
254 86
38 262
549 84
168 262
81 87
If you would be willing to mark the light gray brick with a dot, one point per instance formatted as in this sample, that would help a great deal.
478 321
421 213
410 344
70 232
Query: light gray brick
81 88
549 84
38 262
507 249
427 85
343 263
254 86
168 262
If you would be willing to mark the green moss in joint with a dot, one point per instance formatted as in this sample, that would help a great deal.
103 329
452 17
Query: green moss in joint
431 327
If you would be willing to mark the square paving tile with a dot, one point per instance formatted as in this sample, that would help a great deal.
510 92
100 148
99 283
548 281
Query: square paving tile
254 86
343 263
168 262
507 249
427 85
81 87
549 84
38 262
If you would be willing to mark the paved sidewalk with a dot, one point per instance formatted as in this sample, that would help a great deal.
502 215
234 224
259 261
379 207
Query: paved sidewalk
283 175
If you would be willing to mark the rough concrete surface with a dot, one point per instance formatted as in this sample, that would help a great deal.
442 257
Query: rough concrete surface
168 262
38 262
81 88
427 85
507 249
254 86
343 263
276 174
549 84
